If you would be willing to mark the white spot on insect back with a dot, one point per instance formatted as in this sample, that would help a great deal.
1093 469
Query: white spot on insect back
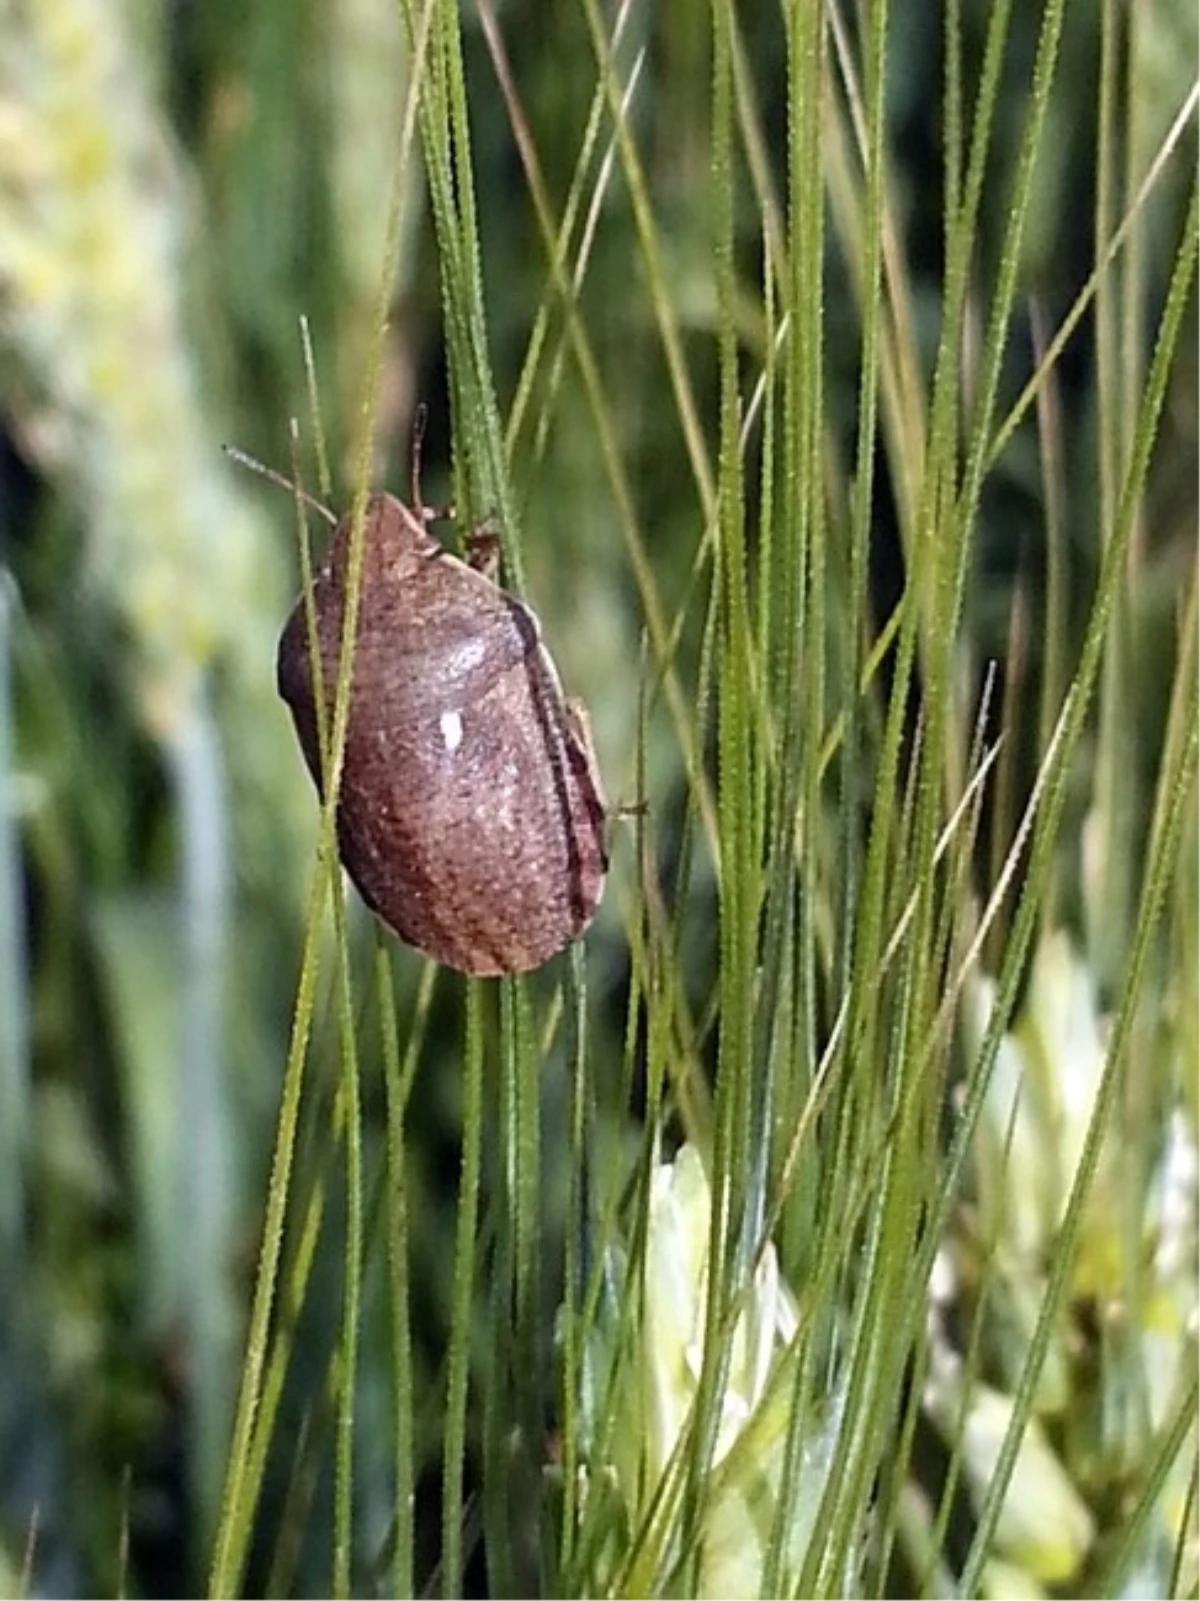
452 731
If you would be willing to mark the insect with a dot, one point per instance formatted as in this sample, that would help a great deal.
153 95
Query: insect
470 813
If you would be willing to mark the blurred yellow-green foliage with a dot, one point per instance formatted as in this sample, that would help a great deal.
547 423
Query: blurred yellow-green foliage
179 186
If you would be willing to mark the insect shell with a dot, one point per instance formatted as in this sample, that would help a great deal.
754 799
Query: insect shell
470 813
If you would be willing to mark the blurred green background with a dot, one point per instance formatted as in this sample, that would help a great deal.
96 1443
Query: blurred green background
178 186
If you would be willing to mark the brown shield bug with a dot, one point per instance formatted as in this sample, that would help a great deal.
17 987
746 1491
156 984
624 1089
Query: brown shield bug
470 814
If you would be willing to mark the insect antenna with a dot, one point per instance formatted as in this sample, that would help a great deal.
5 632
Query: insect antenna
256 466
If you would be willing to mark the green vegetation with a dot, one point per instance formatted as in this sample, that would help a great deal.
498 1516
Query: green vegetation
826 1222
